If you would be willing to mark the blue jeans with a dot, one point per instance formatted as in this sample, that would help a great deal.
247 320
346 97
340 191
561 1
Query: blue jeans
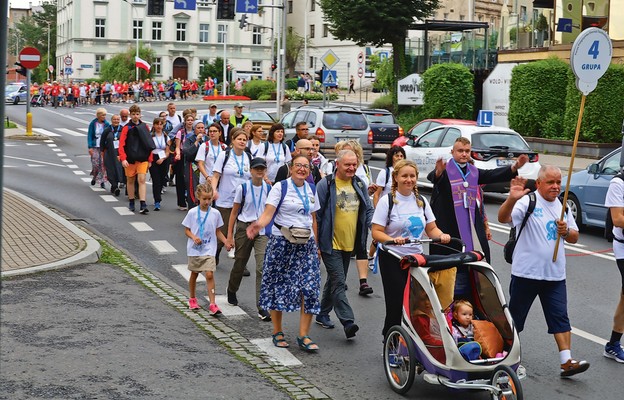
334 296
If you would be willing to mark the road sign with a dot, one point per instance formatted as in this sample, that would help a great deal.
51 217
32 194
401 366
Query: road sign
68 60
184 5
360 72
485 118
329 77
330 59
361 58
590 57
69 70
29 57
247 6
51 68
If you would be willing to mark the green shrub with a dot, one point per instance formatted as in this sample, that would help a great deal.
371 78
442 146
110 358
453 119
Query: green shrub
264 97
552 126
256 88
537 90
294 95
448 92
291 84
604 108
384 102
409 116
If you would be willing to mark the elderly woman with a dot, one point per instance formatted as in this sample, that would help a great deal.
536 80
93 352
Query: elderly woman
291 277
276 153
94 136
109 144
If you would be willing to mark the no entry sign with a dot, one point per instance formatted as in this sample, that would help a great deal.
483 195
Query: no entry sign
29 57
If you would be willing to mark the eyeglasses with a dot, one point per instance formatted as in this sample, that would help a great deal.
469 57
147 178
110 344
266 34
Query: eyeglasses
213 130
299 165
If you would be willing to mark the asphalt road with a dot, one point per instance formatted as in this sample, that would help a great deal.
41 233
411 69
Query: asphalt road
343 369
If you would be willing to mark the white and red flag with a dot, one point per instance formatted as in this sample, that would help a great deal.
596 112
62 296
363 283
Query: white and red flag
141 63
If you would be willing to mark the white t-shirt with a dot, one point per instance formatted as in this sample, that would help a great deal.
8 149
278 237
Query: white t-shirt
291 212
361 173
406 220
175 120
208 154
276 155
252 211
230 176
213 221
381 181
533 255
615 198
256 149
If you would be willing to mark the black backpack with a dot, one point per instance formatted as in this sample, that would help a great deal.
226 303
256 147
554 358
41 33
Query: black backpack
608 233
510 246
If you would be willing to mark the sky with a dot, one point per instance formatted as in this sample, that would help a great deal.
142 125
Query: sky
23 3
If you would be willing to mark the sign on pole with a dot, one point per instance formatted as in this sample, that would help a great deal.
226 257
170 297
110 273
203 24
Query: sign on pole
247 6
330 59
184 5
329 77
360 72
485 118
29 57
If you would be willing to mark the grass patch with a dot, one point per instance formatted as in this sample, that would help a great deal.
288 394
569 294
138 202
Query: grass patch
9 124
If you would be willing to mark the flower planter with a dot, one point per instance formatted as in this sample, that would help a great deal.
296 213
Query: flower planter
564 147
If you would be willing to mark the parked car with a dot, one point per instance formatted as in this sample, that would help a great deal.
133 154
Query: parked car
423 126
331 125
15 92
260 117
492 147
588 190
385 128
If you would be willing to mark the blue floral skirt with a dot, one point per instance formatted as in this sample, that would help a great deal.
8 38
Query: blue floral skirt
291 273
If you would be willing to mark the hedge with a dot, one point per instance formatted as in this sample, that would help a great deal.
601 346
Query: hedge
256 88
537 98
448 92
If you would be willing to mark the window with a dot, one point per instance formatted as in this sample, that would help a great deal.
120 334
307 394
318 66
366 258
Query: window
203 33
325 30
181 31
446 15
462 17
156 63
256 66
492 21
100 27
256 35
523 13
290 7
137 29
98 62
202 63
311 62
221 33
311 31
156 30
313 5
156 7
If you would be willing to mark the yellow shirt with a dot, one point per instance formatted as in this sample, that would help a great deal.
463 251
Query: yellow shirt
345 220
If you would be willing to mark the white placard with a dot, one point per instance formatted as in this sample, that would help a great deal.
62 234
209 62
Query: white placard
409 90
496 93
590 57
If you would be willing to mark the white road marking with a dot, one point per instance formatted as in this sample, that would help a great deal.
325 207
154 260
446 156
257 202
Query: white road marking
163 246
227 309
70 132
83 129
281 356
34 165
61 154
377 168
182 269
97 188
80 173
73 166
48 141
68 160
46 132
36 161
121 210
51 145
108 198
31 144
589 336
66 116
86 179
141 226
57 150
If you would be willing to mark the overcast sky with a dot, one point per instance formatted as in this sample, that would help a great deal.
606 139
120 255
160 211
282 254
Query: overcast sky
23 3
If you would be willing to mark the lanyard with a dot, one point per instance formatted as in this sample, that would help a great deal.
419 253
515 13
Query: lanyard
464 176
306 202
161 145
215 155
277 153
240 165
253 197
116 132
202 223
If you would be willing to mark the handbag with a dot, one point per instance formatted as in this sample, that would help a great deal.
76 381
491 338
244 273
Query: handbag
296 235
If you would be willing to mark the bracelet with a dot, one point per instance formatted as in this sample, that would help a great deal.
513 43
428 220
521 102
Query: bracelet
566 234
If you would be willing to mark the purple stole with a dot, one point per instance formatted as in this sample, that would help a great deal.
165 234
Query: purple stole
464 198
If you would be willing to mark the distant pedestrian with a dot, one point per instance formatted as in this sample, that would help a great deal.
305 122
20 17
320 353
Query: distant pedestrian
160 156
352 85
285 104
201 226
94 135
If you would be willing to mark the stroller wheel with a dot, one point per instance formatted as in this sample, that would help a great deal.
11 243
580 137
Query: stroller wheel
399 359
506 380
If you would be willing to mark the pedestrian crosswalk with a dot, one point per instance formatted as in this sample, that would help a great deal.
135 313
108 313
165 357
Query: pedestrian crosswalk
57 132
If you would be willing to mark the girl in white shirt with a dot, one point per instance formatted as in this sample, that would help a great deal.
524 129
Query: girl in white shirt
276 153
207 154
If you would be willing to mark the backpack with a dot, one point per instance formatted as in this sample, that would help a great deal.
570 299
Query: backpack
227 157
391 204
266 148
387 176
510 246
608 233
284 190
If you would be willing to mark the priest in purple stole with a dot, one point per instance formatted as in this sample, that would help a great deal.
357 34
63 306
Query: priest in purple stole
453 201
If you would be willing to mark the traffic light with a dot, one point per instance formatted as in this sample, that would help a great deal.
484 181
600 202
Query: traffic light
21 70
226 9
318 75
274 65
243 21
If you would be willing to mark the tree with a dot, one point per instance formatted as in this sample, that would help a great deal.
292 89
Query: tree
294 45
122 66
213 70
33 31
377 23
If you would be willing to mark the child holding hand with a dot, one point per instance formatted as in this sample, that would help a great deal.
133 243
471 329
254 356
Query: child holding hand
201 226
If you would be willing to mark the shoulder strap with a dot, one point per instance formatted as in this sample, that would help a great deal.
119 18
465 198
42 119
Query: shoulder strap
266 147
243 194
390 205
387 176
532 202
284 186
225 159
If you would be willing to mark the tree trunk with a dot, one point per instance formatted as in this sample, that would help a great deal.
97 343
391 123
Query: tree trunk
398 64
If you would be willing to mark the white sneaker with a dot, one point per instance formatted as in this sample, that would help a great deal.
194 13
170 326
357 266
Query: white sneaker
231 253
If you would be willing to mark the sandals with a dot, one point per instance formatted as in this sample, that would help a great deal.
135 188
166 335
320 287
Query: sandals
279 340
309 347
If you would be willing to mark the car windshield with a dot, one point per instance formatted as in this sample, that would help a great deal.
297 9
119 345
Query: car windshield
259 116
12 88
380 118
344 120
499 140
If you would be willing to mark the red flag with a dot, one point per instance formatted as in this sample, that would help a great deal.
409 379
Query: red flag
141 63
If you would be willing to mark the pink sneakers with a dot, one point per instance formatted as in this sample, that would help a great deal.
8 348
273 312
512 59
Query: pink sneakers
193 304
214 309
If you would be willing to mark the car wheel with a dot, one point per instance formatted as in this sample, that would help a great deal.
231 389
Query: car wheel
16 100
574 206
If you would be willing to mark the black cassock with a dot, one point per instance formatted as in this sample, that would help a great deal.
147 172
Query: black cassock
114 170
444 210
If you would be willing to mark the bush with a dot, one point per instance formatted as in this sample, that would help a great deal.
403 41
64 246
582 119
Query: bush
409 116
449 92
291 84
294 95
256 88
264 97
536 92
384 102
604 108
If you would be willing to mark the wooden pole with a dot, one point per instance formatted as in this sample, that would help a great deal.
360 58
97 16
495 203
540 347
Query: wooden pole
567 189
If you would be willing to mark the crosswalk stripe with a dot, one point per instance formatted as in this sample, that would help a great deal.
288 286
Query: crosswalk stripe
97 188
45 132
141 226
70 132
163 246
122 210
280 355
83 129
227 309
86 179
79 172
108 198
186 274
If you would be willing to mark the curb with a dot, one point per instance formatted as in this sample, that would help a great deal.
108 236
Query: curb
90 254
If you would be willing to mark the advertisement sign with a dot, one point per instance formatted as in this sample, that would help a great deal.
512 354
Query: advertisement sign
496 93
410 90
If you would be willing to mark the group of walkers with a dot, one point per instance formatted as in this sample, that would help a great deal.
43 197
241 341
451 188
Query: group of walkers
248 190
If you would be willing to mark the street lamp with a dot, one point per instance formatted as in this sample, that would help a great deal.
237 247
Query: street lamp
48 61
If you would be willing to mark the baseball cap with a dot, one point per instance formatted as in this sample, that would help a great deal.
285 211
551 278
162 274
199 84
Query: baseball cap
258 162
239 104
212 105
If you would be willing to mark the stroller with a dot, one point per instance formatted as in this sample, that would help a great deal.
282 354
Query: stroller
37 100
408 350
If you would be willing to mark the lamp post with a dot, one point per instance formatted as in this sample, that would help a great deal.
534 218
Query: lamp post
224 89
48 61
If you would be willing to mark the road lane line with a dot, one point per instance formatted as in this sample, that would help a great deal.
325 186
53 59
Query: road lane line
36 161
79 172
67 160
163 246
66 116
108 198
120 210
141 226
70 132
46 132
279 355
589 336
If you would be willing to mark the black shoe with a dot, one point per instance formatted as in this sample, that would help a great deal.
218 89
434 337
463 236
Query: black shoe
116 192
365 289
246 272
231 298
93 182
350 330
264 315
144 210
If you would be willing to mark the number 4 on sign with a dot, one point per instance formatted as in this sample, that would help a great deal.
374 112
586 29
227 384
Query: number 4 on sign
593 50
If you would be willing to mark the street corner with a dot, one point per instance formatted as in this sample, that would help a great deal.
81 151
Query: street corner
20 134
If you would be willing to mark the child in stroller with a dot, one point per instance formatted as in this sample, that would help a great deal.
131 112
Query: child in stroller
37 100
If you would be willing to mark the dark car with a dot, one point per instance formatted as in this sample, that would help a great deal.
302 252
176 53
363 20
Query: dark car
384 127
426 124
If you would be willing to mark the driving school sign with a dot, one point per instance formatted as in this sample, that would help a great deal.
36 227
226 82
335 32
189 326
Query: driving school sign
410 91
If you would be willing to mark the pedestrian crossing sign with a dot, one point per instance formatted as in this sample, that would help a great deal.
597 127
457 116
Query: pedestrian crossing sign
329 78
